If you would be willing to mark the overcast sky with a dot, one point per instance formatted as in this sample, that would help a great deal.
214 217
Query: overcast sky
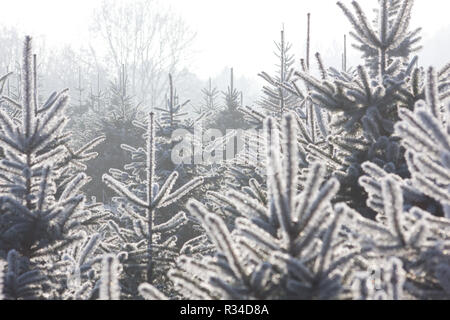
236 33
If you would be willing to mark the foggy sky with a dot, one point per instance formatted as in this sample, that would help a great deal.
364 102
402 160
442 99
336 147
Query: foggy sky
236 33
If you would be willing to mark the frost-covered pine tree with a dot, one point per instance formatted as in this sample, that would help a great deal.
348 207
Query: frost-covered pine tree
313 124
278 96
210 102
44 212
172 120
391 38
149 240
345 197
230 117
382 137
291 241
111 116
171 116
408 226
363 106
423 133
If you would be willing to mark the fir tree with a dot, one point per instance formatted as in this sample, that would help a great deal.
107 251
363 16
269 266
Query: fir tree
344 194
277 99
363 106
43 209
138 230
171 117
230 117
209 103
390 39
110 114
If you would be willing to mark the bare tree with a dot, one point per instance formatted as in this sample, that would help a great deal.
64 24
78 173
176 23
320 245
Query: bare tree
149 39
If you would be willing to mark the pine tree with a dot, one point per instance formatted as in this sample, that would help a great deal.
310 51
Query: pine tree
344 195
149 245
43 209
363 106
210 96
313 122
406 224
134 176
111 115
170 117
374 116
84 116
423 133
390 40
278 99
19 281
297 244
230 117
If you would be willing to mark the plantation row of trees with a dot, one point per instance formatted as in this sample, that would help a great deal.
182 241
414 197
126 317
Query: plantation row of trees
343 193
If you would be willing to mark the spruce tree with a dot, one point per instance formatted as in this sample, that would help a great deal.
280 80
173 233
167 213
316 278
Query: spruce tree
277 100
230 117
44 213
363 106
110 114
150 245
209 103
389 39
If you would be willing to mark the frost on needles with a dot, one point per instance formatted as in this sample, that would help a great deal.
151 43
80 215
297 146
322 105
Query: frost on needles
345 193
43 212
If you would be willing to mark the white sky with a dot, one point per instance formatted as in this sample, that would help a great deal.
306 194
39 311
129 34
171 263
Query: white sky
236 33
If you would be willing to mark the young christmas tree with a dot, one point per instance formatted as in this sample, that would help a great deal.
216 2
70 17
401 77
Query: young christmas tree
210 97
230 117
363 106
277 100
44 212
391 38
151 246
110 114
